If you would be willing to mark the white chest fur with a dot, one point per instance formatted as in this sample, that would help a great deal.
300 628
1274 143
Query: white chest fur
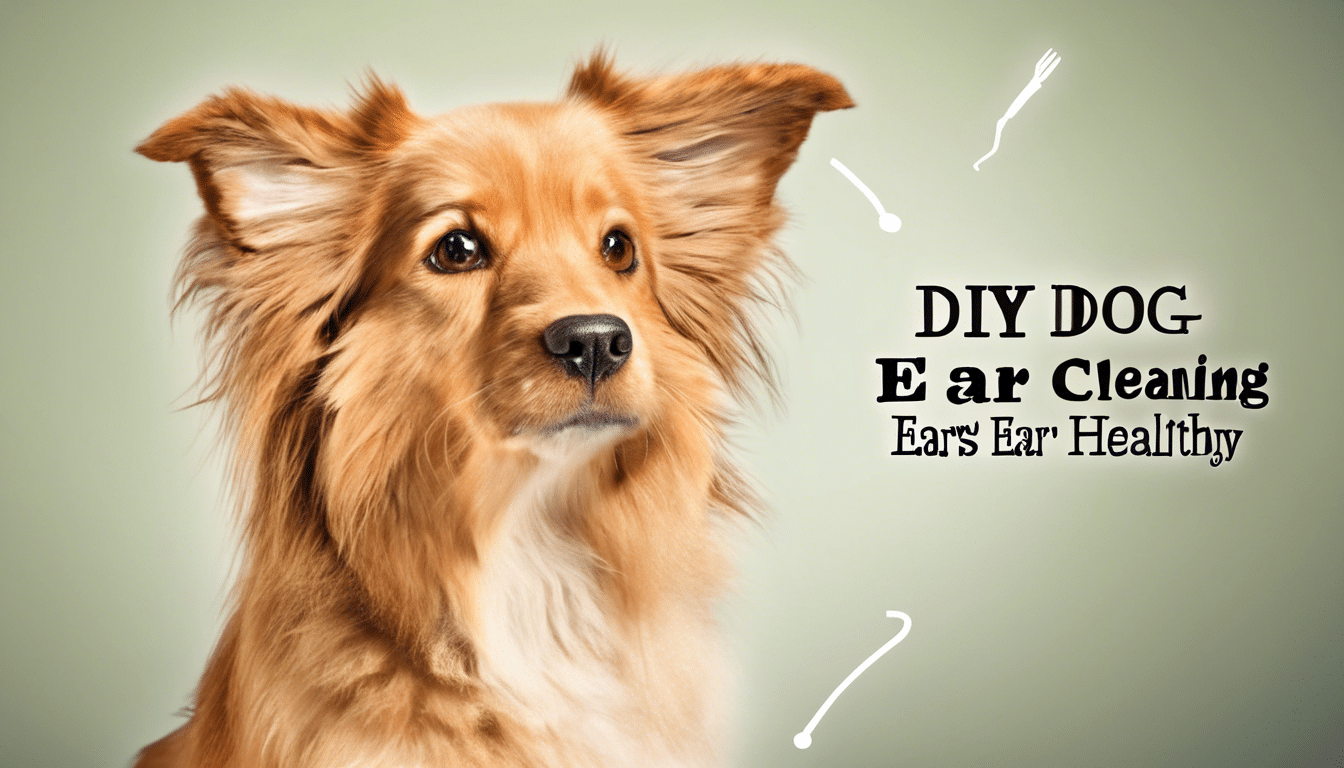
547 643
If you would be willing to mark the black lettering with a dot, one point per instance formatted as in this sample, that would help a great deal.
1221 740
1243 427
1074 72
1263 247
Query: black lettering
952 310
896 378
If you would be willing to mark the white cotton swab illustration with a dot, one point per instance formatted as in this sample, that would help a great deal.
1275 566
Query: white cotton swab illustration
803 739
1044 67
889 222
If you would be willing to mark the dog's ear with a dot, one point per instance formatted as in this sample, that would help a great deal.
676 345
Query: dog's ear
264 167
712 146
738 126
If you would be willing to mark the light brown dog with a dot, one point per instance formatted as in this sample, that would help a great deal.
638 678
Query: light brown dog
475 370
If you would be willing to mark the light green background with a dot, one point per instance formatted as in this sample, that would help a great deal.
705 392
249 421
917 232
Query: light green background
1067 612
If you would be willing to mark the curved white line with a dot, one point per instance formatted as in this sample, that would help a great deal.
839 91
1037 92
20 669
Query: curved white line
998 133
868 193
804 739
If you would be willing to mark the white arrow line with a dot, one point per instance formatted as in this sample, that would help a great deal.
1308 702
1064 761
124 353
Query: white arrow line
889 222
804 740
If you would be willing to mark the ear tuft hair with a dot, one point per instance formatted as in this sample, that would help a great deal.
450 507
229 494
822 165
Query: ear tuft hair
381 116
596 80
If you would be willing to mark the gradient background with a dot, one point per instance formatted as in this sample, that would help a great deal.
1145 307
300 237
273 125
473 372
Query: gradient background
1067 611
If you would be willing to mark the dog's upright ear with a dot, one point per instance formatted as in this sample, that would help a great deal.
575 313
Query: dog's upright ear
740 125
288 193
265 167
713 145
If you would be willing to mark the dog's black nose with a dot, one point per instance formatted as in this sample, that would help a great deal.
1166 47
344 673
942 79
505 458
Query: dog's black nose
589 346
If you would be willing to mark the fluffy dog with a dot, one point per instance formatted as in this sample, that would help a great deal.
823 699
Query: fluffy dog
475 371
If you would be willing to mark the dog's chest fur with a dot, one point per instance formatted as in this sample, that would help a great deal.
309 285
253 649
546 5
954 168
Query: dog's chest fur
547 641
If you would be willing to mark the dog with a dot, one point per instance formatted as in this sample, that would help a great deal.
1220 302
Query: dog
475 372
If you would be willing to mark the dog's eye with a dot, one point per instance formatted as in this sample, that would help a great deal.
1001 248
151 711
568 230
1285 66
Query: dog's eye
457 251
618 251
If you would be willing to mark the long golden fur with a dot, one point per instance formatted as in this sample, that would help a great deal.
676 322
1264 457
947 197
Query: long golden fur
457 551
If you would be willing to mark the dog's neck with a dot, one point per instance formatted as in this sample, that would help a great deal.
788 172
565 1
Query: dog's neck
546 634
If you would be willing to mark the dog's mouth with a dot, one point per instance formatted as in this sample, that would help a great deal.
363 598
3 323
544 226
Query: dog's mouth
578 436
590 420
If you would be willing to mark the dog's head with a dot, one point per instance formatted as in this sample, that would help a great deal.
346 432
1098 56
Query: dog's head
390 294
